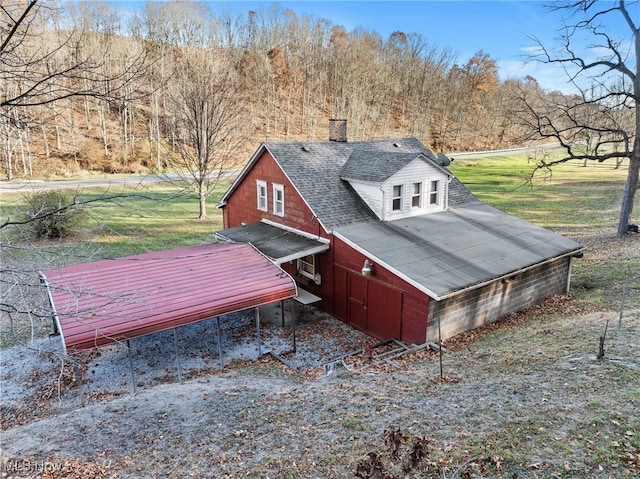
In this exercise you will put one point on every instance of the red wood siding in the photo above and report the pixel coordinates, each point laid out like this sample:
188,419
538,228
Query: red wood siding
382,305
394,308
242,205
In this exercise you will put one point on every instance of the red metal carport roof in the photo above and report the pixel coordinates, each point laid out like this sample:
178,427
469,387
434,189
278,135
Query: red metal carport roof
108,301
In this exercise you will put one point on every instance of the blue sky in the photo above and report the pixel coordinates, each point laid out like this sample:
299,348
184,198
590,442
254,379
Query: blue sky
500,28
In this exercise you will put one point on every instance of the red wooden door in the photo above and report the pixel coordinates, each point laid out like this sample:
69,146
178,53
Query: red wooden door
340,309
357,302
384,311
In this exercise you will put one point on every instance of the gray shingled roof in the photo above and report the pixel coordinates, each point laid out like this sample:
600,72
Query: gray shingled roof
315,170
362,165
444,253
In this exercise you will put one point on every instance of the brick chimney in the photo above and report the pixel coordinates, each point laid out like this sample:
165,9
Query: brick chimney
337,130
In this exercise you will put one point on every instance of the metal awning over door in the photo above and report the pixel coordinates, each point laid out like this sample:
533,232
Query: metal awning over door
277,243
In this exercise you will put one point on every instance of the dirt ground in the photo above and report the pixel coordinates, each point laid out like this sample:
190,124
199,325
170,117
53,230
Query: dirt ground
523,398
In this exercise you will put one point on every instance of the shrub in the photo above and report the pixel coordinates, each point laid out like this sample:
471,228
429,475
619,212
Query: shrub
52,214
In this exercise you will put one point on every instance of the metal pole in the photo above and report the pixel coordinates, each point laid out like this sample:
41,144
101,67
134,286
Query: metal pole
133,374
624,294
440,348
282,312
76,368
293,325
258,332
54,317
220,343
175,342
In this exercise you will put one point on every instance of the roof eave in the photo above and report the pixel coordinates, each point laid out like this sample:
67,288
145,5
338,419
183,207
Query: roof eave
240,178
452,293
449,294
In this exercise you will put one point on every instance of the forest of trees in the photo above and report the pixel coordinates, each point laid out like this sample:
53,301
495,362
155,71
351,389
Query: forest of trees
291,74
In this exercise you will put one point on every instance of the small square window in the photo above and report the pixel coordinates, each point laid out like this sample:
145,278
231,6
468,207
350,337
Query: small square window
278,200
307,266
397,198
262,195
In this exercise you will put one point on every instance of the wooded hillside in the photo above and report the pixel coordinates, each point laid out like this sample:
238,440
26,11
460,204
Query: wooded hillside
291,74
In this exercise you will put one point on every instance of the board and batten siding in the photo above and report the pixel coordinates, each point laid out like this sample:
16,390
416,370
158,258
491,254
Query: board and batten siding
475,308
416,171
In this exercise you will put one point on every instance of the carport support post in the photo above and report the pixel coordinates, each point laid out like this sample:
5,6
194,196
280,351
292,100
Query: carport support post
293,324
133,374
175,342
220,343
76,368
258,332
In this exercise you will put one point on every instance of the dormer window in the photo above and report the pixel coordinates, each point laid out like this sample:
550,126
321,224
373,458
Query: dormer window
434,192
396,199
416,196
397,185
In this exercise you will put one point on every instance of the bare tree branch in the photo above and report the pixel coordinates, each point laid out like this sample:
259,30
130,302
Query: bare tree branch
601,122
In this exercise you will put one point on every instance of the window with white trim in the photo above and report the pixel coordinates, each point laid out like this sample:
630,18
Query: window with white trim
416,196
396,198
278,199
434,192
262,195
307,266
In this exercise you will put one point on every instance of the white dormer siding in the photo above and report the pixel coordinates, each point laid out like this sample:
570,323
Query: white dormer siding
417,189
372,195
423,187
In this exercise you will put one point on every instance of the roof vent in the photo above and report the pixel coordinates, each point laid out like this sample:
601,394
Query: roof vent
337,130
443,159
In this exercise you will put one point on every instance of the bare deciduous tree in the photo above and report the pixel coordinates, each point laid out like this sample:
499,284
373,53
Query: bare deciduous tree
46,72
207,113
602,121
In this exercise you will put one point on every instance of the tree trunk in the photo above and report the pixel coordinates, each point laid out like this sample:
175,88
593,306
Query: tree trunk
203,205
629,191
45,141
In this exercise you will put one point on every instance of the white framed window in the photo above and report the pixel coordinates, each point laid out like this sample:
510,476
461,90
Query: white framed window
262,195
278,199
434,192
416,196
396,198
307,266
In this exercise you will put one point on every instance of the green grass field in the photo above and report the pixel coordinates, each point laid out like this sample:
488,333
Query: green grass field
571,197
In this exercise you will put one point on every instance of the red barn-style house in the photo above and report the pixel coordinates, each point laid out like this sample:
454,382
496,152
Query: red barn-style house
388,239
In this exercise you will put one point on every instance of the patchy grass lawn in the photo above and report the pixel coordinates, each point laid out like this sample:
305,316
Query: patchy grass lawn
522,398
